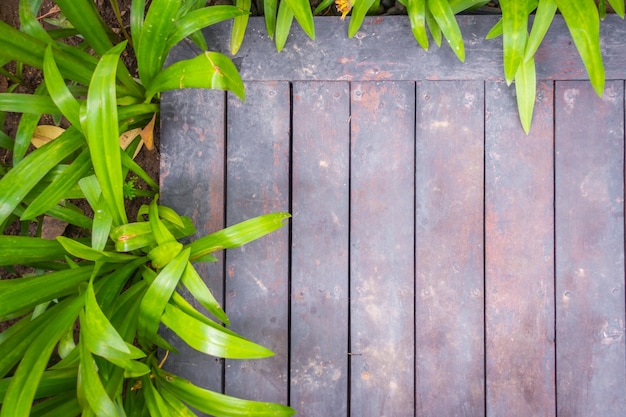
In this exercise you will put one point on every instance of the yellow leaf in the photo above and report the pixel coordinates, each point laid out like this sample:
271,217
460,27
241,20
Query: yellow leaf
127,137
147,134
44,134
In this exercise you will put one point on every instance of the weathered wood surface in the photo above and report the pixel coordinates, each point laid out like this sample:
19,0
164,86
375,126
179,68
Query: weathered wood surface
519,257
439,261
382,249
589,141
320,248
449,248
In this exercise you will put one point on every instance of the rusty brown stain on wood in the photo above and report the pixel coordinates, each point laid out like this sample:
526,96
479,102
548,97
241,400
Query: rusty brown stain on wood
519,260
449,249
590,250
381,235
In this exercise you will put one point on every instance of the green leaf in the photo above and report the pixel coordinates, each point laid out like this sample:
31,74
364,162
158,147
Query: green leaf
583,22
212,340
58,189
301,10
137,11
283,25
515,32
18,294
543,18
157,296
435,31
84,16
358,14
101,127
59,92
618,6
151,48
132,236
495,31
417,17
90,386
52,383
21,391
160,232
164,253
196,286
270,9
240,23
237,235
99,336
28,250
201,18
526,88
79,250
208,70
218,404
27,103
157,406
447,23
18,182
102,219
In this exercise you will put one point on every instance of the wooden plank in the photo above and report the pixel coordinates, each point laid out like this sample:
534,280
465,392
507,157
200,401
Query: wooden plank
591,368
319,312
192,183
384,49
382,249
449,249
257,283
519,257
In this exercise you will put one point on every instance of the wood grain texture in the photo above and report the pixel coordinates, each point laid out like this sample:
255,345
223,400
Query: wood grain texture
449,249
591,369
384,49
257,283
192,180
519,224
382,249
320,248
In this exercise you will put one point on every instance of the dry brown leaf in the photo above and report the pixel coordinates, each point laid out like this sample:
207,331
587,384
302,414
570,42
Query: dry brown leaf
44,134
147,134
127,137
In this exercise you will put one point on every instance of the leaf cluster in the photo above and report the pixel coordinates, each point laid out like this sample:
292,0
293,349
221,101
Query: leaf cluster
84,327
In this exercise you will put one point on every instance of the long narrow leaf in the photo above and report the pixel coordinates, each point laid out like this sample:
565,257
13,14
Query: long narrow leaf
444,17
618,6
240,23
301,10
151,49
218,404
583,22
21,293
417,17
27,103
238,234
59,92
208,70
270,8
525,89
198,289
91,386
199,19
157,296
283,25
358,14
21,392
211,340
101,127
15,185
25,132
58,189
28,250
543,18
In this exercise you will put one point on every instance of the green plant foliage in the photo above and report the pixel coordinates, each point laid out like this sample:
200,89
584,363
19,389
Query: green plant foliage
122,282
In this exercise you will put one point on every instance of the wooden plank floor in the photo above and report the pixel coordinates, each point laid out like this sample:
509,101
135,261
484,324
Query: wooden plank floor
439,261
